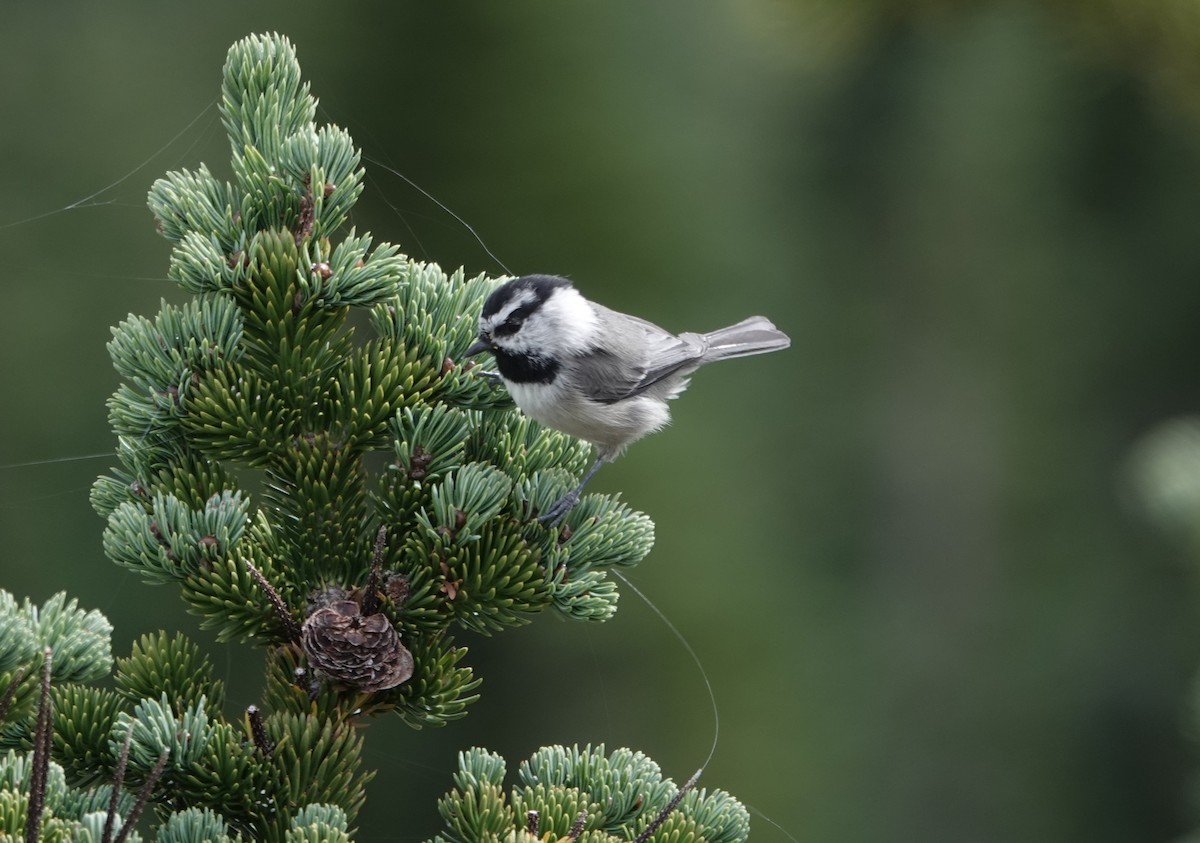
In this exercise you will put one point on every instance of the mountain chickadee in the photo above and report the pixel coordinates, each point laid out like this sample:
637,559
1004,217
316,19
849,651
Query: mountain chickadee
594,373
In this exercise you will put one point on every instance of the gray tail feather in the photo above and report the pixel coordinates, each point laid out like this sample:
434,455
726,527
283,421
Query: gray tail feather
755,335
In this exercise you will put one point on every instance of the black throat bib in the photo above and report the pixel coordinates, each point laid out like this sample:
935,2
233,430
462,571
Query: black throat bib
525,368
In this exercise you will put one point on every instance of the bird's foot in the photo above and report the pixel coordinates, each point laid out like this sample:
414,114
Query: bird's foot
559,509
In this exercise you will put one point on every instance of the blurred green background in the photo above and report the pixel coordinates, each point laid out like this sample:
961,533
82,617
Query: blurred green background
903,550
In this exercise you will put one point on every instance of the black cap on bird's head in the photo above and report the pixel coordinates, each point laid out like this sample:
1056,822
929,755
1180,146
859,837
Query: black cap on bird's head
527,288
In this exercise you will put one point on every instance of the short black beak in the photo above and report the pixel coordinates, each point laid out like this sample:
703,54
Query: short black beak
478,347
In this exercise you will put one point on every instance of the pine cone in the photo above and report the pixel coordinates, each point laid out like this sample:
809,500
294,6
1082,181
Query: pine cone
361,651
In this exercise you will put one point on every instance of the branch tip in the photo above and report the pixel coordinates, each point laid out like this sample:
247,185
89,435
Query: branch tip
258,731
144,795
42,734
290,628
670,808
370,601
577,828
118,781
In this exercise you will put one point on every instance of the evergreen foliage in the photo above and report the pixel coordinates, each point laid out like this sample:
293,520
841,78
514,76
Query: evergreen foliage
81,643
246,414
584,794
245,420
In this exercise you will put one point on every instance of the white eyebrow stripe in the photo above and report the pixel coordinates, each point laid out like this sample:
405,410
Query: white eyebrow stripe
521,299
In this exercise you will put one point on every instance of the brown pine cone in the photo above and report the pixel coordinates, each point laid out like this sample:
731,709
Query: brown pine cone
364,652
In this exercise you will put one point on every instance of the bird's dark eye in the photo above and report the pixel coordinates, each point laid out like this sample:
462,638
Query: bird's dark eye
506,329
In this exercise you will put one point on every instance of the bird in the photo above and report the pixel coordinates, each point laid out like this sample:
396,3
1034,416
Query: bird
593,373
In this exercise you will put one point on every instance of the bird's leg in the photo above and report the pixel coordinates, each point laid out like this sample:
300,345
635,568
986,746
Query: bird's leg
567,502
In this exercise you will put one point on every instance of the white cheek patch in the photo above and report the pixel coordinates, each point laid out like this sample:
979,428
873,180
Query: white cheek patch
570,322
536,337
565,324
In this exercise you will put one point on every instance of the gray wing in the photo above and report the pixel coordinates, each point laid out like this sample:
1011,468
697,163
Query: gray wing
637,355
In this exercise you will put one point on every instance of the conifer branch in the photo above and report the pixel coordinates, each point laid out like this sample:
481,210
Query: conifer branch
370,601
118,782
258,731
577,827
291,629
669,808
263,370
41,755
143,796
